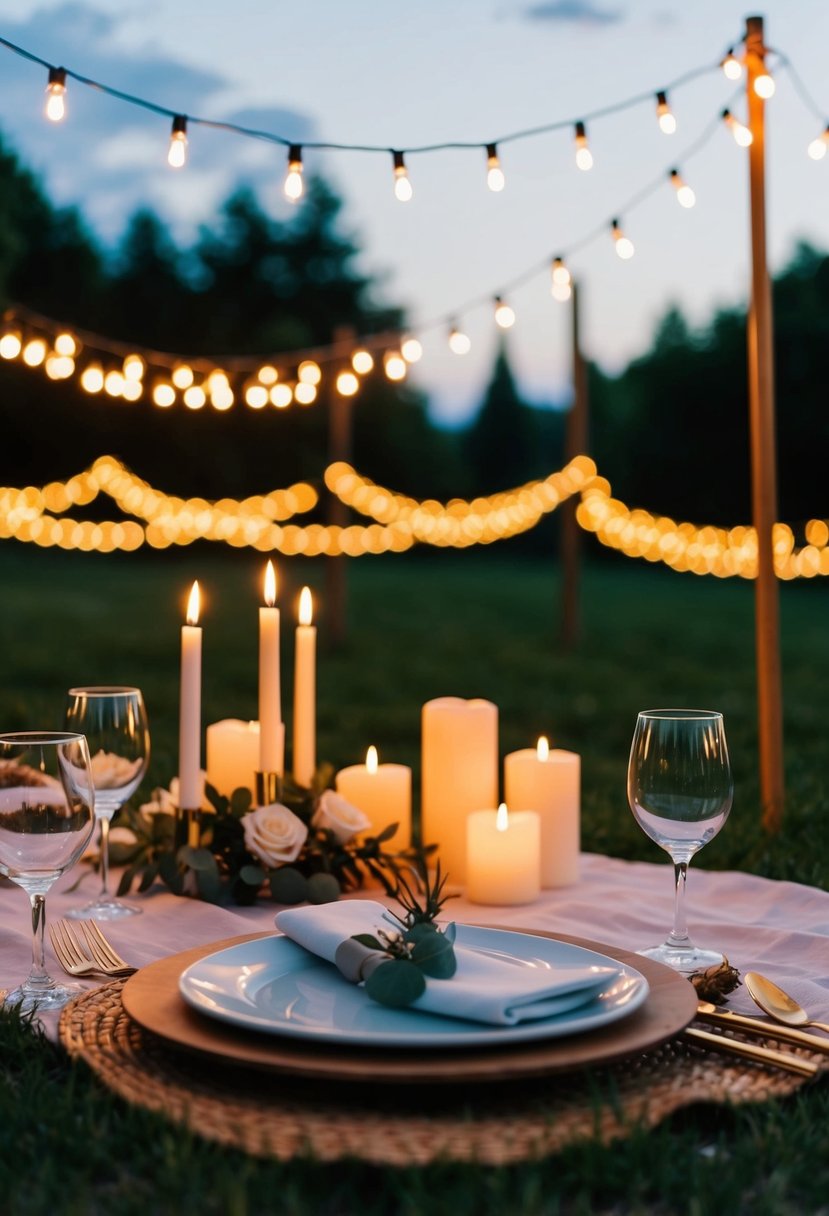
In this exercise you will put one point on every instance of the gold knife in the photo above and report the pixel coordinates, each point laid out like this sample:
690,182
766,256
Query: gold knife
751,1051
707,1012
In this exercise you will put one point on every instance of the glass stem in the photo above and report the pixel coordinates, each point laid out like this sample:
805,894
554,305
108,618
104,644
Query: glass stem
679,933
104,858
38,976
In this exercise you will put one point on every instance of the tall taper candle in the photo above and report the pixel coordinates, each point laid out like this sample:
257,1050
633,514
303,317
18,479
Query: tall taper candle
305,692
271,727
189,736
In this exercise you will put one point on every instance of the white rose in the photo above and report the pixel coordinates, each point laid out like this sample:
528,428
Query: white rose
112,772
274,834
339,816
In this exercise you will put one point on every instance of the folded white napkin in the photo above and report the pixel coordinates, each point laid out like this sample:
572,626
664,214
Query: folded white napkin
485,988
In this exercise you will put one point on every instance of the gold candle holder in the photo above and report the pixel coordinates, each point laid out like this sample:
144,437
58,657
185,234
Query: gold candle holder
268,788
188,829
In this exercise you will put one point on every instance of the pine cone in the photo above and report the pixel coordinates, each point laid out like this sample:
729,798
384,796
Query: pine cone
715,983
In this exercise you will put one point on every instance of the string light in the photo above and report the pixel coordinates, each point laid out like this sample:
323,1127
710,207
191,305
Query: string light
561,280
34,352
741,133
625,248
495,174
281,396
182,376
305,393
164,395
65,344
309,372
459,342
56,95
504,315
347,384
256,396
362,361
817,148
267,375
411,350
664,114
293,181
10,345
394,365
402,186
195,397
584,157
731,65
177,152
684,194
764,85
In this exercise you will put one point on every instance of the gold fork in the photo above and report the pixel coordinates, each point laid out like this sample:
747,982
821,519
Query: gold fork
95,957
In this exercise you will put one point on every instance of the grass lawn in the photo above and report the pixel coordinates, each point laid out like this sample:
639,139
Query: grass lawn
453,624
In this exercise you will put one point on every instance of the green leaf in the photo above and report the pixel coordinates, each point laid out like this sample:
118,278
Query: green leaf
254,876
434,955
209,886
240,801
169,873
197,859
366,939
323,889
396,983
216,800
149,876
288,886
387,833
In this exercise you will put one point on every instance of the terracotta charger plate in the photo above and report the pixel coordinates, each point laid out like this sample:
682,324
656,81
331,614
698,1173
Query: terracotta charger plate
151,998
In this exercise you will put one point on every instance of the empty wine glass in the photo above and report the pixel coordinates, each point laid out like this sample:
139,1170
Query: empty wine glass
114,720
680,790
46,820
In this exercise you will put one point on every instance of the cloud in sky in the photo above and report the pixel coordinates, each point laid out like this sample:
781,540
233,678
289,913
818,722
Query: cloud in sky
109,156
574,12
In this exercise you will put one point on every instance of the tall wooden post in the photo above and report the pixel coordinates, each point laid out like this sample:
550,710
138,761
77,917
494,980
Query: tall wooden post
763,453
575,444
340,426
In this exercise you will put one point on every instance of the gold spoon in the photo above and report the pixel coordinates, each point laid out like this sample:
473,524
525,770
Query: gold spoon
777,1003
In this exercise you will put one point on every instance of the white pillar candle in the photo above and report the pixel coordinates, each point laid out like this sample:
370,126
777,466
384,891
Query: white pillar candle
383,792
548,781
305,693
271,727
232,755
503,859
189,730
459,774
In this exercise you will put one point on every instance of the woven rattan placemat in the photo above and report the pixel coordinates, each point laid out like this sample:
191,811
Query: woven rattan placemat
271,1116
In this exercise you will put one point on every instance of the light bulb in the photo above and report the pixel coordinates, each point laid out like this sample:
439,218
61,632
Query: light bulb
177,153
305,393
817,148
584,157
308,372
182,376
281,396
114,383
624,246
411,350
402,186
504,315
684,194
131,390
133,367
56,95
394,365
362,361
92,378
10,345
764,85
268,374
561,286
731,65
293,181
741,133
34,352
347,384
164,395
65,344
221,396
256,396
495,174
459,342
664,114
194,397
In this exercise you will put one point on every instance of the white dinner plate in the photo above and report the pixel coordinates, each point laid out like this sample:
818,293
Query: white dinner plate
273,985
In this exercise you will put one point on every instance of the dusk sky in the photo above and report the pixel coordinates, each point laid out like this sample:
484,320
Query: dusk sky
387,73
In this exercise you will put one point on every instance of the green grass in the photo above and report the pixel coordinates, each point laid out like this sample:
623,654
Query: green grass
451,624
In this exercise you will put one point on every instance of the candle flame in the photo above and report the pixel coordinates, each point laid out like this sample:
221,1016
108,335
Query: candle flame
371,759
542,749
270,585
306,606
193,605
502,818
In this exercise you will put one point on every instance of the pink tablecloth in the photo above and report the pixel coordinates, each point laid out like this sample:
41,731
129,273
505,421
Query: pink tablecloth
778,928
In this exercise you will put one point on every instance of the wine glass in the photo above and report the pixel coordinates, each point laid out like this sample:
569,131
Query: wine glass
114,721
47,818
680,790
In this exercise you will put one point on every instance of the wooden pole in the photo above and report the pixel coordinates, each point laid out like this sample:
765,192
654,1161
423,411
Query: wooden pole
340,434
763,453
575,444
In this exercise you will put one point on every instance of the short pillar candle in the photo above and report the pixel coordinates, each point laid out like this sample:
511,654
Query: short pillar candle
232,755
548,781
383,792
503,857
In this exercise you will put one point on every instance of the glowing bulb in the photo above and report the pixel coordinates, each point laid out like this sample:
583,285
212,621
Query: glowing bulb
34,352
542,748
59,367
10,346
731,65
56,95
132,390
193,605
256,396
402,186
221,396
293,181
308,372
65,344
459,342
561,286
764,85
270,584
114,383
584,157
164,395
268,375
306,607
371,760
177,152
504,315
502,818
494,173
362,361
194,397
684,194
817,151
741,133
133,367
347,384
664,114
394,365
182,376
411,350
305,393
624,246
281,396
